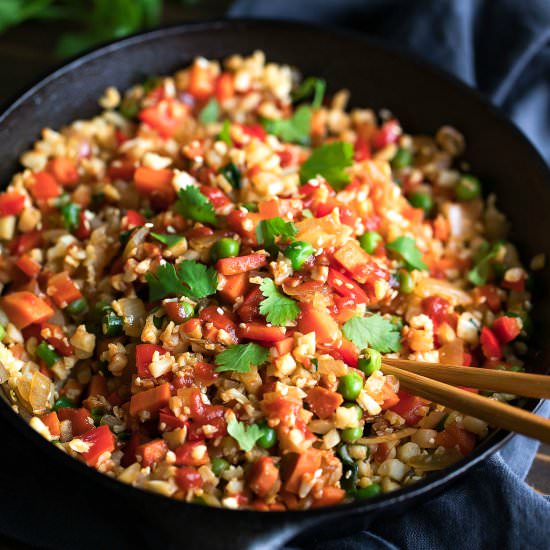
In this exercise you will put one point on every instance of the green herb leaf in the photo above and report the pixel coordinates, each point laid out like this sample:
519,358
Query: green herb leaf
406,249
168,240
231,173
267,230
311,86
225,134
193,205
189,278
329,161
482,270
373,332
245,436
277,308
239,357
71,215
295,129
210,112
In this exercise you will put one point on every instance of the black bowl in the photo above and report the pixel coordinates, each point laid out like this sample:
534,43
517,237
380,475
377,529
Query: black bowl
105,511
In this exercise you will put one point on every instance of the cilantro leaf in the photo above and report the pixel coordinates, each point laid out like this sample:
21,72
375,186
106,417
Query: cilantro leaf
482,269
311,86
225,134
406,249
267,230
168,240
193,205
373,332
277,308
245,436
295,129
189,278
239,357
210,112
329,161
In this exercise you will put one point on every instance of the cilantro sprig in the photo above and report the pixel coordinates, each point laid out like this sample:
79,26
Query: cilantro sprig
405,247
373,332
330,161
267,230
225,134
245,436
277,308
189,278
239,357
311,86
295,129
193,205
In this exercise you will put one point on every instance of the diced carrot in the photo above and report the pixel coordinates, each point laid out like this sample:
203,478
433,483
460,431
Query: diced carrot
294,466
314,320
150,400
64,170
323,402
44,186
261,332
234,286
102,441
331,496
24,308
165,117
149,181
62,289
407,407
192,453
28,265
390,397
98,386
51,421
263,476
81,420
241,264
284,346
201,81
454,436
358,262
225,87
11,203
152,452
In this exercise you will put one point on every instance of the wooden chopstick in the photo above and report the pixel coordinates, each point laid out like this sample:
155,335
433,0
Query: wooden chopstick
517,383
494,412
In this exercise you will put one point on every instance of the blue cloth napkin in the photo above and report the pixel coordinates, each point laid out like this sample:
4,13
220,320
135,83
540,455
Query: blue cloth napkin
503,49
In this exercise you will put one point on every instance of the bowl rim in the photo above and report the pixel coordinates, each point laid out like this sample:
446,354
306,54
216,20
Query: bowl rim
434,481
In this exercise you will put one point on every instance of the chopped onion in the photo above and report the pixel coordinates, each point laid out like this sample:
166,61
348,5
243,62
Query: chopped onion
40,392
134,315
438,287
436,461
138,236
386,438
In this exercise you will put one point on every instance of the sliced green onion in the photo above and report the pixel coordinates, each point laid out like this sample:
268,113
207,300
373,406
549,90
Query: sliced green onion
47,353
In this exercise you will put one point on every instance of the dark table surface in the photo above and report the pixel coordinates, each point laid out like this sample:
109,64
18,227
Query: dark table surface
26,54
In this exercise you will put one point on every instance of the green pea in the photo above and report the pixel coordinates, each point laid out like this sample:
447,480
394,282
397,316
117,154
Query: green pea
111,324
357,408
369,241
370,361
421,199
187,309
77,307
64,402
219,465
47,353
298,252
350,386
406,282
349,435
224,248
372,490
467,188
268,439
402,158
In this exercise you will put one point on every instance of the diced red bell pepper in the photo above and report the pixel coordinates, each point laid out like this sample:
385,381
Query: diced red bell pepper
25,242
54,335
188,478
64,170
263,476
362,149
51,421
130,449
225,87
28,265
11,203
313,320
201,81
192,453
168,421
344,286
355,260
150,400
81,421
243,223
254,131
490,345
234,286
241,264
436,308
144,356
121,170
45,186
382,452
261,332
249,310
216,196
408,406
152,452
102,441
277,407
390,397
294,466
62,289
284,346
25,308
323,402
506,329
165,117
454,436
134,219
155,182
387,134
330,497
223,321
349,353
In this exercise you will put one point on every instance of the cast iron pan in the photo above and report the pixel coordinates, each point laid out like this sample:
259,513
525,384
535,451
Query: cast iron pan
59,503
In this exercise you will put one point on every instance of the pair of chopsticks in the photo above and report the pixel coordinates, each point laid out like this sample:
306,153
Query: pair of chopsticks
435,382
